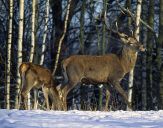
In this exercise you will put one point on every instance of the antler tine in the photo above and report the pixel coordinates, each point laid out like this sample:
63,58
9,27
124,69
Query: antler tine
109,28
122,35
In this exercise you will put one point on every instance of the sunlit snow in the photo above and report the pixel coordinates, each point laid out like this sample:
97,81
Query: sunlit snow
80,119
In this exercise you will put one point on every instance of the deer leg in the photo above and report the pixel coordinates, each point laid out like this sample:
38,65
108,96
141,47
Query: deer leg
24,99
65,91
118,87
64,103
24,94
45,92
35,98
107,96
53,107
54,99
56,104
107,99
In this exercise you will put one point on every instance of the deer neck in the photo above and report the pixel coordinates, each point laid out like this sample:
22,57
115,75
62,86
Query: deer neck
128,58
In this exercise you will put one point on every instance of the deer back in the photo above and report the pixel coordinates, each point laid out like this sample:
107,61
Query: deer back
37,74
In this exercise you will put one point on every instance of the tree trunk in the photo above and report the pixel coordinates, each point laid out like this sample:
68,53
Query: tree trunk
128,4
9,54
159,50
150,41
98,89
36,54
45,33
33,31
62,37
81,39
103,50
58,27
104,28
131,74
19,54
82,14
42,49
144,61
32,44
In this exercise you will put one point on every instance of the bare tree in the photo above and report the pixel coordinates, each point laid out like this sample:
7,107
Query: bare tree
62,37
33,31
42,49
45,33
19,53
32,45
131,75
9,54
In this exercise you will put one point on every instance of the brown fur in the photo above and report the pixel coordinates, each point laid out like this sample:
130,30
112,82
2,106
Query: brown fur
35,76
109,68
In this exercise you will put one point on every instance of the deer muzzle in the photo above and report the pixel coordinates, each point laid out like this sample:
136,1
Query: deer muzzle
142,48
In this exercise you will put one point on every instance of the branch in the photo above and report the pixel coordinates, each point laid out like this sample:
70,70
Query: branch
130,14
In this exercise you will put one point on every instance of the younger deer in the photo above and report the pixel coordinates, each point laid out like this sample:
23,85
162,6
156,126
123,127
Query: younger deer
35,76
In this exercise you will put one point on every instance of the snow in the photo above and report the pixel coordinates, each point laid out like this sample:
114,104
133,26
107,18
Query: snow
80,119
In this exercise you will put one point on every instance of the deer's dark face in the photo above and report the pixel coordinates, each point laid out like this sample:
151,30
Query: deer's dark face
131,42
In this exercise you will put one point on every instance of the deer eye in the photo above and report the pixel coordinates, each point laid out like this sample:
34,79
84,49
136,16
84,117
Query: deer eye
126,37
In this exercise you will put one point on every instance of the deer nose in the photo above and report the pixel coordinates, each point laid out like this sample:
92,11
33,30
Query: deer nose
142,48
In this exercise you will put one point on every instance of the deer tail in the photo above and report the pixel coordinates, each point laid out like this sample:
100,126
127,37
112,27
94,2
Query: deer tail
24,67
64,72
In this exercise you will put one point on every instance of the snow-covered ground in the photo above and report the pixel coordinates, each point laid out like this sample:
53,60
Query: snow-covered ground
80,119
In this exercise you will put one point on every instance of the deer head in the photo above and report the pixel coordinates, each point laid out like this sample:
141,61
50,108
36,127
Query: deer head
131,42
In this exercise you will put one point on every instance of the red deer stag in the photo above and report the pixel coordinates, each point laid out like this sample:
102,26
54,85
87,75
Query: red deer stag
109,69
36,76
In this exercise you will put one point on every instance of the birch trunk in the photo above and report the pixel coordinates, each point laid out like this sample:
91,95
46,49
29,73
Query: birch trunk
19,54
62,37
32,44
9,54
43,49
45,33
128,4
131,74
32,32
36,54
